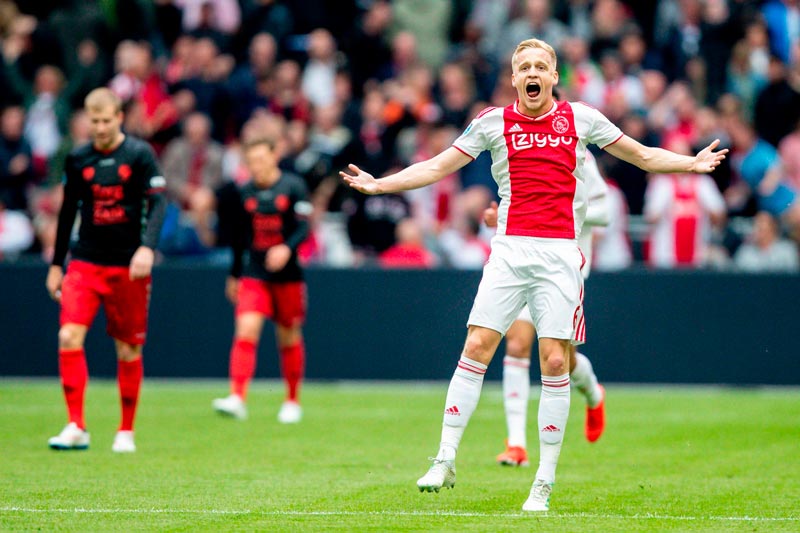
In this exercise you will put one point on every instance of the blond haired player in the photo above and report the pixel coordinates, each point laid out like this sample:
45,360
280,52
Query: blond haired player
538,147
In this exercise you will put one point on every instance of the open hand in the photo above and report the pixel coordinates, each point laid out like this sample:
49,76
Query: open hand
362,181
707,159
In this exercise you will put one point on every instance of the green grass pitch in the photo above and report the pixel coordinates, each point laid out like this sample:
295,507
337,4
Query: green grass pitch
672,459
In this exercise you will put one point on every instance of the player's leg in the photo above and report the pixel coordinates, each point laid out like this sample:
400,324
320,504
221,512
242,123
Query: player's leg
79,304
130,372
253,306
557,308
516,388
462,399
289,302
585,381
242,367
126,304
292,363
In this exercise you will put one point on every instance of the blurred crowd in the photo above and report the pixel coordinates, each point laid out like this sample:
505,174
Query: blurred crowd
383,84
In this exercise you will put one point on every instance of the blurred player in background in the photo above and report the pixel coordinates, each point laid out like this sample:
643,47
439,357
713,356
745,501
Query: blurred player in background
521,334
538,147
266,280
115,183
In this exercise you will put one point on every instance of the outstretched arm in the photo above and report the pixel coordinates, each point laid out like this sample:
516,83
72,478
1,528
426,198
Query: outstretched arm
658,160
414,177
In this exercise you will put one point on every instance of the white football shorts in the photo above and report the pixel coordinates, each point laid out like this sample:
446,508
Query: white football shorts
545,275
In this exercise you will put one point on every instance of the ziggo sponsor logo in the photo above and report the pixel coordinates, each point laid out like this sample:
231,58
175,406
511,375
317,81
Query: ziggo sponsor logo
523,141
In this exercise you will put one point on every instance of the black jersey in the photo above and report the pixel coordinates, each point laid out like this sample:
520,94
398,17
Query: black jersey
268,217
121,201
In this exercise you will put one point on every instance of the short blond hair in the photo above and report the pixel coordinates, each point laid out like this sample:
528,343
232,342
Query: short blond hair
534,43
101,98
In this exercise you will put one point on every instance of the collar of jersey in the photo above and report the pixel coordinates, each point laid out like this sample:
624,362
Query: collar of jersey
540,117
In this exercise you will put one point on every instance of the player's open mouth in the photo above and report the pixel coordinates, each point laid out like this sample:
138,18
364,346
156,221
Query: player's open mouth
533,90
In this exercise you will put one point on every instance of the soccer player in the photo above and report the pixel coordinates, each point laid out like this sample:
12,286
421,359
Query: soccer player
115,183
267,280
538,147
521,334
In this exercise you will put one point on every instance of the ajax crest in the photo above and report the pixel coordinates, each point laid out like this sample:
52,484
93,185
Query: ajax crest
560,124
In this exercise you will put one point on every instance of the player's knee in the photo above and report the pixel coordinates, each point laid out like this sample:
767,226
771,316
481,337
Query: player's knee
128,352
69,338
477,349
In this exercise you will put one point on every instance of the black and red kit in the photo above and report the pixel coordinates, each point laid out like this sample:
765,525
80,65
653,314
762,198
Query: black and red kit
269,216
120,195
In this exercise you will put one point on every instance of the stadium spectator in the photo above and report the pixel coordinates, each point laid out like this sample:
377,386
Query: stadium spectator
535,20
16,159
111,261
287,99
778,105
16,232
765,250
320,70
758,165
243,85
680,209
151,113
192,165
429,23
208,70
409,250
789,152
464,245
216,19
368,54
528,221
782,18
268,283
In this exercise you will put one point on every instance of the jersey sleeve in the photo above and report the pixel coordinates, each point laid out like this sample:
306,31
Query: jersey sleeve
473,140
155,186
602,131
68,211
302,211
154,180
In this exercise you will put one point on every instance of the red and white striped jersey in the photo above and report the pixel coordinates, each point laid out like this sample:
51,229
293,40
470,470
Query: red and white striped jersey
538,164
678,206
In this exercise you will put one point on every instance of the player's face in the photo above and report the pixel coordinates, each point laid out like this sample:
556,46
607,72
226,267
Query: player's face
105,125
534,76
262,164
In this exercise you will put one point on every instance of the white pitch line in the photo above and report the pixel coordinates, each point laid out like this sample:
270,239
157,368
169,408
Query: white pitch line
467,514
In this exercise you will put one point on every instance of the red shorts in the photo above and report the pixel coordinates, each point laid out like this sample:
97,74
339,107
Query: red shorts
87,285
285,303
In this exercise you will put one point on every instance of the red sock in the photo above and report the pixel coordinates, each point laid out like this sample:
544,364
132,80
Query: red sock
243,365
74,376
293,361
129,375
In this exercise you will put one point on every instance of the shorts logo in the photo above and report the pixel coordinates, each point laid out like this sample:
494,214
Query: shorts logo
560,124
88,173
124,172
523,141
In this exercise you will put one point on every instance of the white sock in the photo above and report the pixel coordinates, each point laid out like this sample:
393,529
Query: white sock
462,399
585,380
516,392
553,414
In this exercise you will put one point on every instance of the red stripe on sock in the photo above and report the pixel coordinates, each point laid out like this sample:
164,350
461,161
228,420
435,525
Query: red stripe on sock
473,369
